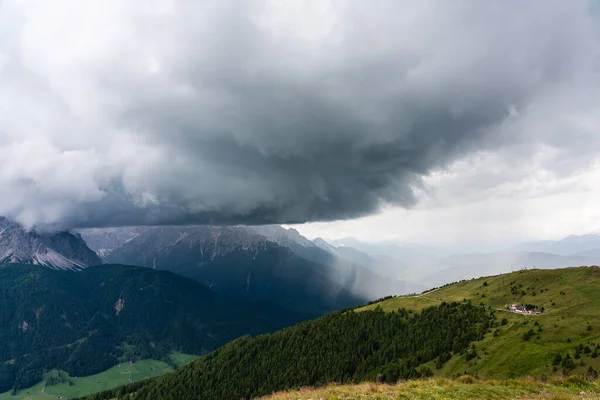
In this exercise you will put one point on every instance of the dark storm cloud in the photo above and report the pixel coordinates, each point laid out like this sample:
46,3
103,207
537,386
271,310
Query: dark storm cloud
257,112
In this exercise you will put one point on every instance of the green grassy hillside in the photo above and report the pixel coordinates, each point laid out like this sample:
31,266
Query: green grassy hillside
525,345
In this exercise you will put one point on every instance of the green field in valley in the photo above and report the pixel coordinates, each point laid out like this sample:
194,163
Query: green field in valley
74,387
525,345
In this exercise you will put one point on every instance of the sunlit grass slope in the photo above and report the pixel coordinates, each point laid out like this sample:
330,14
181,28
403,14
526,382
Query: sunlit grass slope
444,389
525,345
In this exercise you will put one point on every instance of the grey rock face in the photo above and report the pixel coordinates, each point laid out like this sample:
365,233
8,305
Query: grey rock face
61,250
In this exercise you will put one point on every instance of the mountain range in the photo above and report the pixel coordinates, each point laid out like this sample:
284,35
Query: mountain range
270,264
572,245
267,263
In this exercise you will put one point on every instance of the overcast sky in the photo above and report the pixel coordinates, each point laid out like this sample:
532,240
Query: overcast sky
427,121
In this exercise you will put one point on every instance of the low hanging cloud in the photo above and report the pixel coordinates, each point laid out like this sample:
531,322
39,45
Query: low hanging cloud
225,112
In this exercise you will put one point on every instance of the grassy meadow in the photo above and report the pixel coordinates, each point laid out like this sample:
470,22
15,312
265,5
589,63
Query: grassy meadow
118,375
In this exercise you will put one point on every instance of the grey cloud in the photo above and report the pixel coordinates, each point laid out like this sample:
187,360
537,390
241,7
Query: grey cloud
243,112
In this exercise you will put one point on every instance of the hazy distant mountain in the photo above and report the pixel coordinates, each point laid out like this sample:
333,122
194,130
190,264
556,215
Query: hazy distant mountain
61,250
589,253
105,240
390,249
467,266
351,267
402,261
571,245
323,244
552,261
379,264
352,254
432,267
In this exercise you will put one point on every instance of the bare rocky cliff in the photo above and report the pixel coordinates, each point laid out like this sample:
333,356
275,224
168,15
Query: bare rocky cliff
62,250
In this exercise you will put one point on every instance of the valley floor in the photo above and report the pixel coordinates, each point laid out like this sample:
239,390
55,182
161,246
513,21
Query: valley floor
116,376
444,389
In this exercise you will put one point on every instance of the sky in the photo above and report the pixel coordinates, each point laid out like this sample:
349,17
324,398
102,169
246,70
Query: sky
421,121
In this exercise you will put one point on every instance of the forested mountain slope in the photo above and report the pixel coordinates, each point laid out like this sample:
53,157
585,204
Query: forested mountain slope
85,322
343,346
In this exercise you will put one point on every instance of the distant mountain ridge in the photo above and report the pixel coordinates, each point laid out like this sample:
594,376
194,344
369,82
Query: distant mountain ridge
357,269
61,250
105,240
284,237
250,263
234,261
433,267
570,245
468,266
322,243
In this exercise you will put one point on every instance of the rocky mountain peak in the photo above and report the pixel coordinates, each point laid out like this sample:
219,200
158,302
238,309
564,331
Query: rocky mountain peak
282,236
206,242
62,250
322,243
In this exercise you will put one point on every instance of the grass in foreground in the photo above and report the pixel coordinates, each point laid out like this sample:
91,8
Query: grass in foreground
111,378
444,389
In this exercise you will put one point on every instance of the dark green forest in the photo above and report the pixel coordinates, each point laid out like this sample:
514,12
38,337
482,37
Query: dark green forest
85,322
343,347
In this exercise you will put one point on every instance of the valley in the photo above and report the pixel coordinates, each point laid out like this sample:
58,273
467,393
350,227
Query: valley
66,386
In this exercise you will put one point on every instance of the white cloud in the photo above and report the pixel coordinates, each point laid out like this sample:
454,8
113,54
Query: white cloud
538,205
175,112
